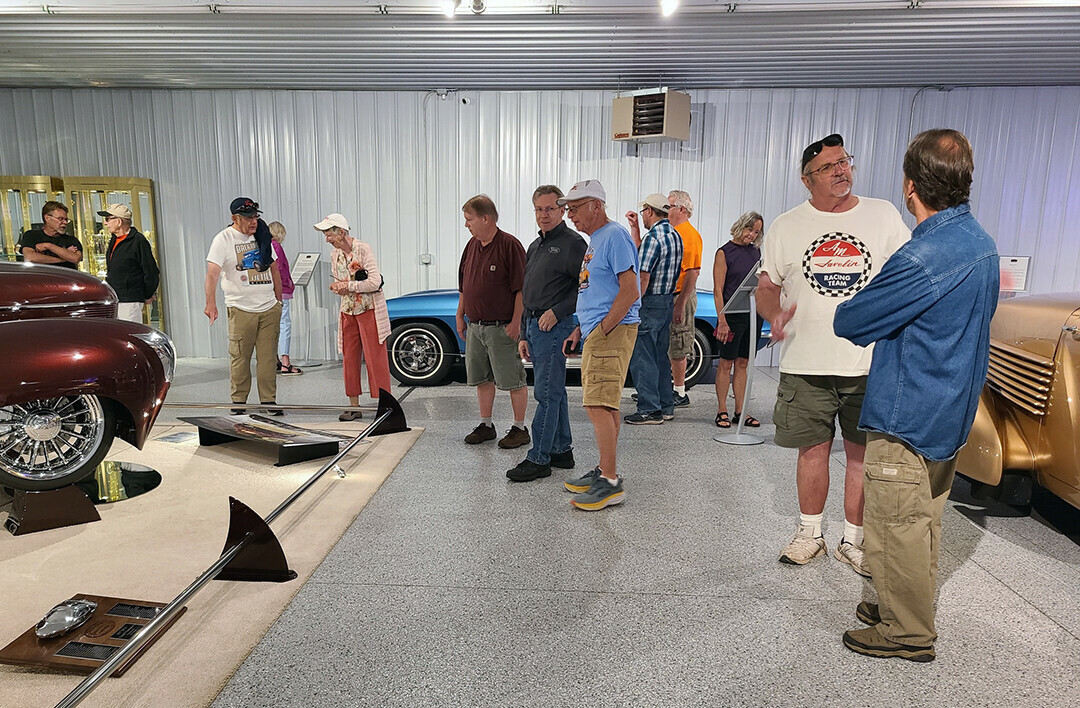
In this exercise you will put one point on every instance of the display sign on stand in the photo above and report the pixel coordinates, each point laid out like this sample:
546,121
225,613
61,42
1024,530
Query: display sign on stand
301,274
740,302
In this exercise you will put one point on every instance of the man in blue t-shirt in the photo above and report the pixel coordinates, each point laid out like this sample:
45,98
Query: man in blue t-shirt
607,310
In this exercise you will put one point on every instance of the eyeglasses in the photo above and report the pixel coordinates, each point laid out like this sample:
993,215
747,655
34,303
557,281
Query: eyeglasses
61,219
843,163
673,206
110,218
547,210
574,209
814,149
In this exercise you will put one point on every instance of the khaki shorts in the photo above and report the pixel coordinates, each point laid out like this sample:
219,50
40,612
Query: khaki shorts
604,363
807,408
491,356
682,335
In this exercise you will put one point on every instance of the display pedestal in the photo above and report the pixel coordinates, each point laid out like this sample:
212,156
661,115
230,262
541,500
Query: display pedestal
53,509
85,648
293,444
741,301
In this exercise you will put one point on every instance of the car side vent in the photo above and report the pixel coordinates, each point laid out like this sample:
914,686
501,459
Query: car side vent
1020,377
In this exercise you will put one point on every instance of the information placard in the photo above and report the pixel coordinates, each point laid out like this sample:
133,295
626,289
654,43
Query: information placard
303,267
1014,273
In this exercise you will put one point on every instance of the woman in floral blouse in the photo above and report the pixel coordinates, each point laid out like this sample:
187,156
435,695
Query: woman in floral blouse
364,322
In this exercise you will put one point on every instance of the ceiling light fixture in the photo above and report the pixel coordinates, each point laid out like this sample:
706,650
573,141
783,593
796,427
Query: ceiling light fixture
449,7
668,7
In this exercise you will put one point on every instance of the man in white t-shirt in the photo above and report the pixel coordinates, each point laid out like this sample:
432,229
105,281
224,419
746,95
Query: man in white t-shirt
815,257
252,301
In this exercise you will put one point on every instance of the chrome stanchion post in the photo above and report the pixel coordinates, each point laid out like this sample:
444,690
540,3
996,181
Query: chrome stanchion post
747,287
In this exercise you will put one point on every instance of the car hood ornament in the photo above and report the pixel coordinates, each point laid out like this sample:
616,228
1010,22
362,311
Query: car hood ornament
64,617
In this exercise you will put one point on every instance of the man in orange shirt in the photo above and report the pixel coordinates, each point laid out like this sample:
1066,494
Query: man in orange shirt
680,209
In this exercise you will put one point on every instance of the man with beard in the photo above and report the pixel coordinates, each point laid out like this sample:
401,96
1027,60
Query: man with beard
51,244
815,257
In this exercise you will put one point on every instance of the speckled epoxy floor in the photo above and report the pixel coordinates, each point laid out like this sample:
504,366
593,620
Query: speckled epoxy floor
455,587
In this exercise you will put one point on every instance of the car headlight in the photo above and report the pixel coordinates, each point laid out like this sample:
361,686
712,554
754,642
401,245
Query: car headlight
161,344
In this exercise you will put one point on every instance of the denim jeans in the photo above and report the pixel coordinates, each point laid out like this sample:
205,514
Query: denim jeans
285,334
650,365
551,421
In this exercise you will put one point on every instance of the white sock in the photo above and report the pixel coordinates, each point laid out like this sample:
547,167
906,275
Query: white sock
519,424
487,421
853,534
609,480
681,390
811,524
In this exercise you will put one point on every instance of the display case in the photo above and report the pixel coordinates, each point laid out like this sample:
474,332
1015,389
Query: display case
24,196
20,210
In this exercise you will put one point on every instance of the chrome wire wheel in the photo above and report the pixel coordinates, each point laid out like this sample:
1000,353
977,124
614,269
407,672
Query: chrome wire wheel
52,442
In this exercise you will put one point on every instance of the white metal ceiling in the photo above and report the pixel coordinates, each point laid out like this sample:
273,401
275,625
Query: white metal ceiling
346,44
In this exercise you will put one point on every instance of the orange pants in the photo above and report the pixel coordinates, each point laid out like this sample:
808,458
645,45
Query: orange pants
360,340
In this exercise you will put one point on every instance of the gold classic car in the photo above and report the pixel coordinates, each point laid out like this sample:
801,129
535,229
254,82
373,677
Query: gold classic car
1027,428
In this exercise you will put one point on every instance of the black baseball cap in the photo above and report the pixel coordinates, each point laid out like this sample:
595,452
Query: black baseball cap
814,149
244,206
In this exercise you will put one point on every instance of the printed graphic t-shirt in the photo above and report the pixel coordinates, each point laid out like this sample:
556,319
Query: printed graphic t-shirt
611,252
821,259
246,289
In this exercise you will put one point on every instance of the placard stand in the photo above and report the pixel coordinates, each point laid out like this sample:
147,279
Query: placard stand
302,270
743,301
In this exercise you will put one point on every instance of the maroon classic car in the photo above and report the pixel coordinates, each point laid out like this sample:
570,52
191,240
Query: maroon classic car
75,376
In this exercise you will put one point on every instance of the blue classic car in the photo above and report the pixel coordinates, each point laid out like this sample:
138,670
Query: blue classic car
424,344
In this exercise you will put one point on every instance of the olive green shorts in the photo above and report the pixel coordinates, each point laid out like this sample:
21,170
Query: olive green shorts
682,335
807,408
491,356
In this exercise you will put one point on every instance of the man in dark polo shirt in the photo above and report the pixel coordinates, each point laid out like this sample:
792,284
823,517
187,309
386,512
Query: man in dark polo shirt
552,267
490,279
51,244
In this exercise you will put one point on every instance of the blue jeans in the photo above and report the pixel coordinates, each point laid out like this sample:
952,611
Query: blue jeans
551,421
285,333
650,365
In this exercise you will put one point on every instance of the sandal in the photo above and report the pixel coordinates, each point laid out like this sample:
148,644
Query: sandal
290,370
722,420
751,421
350,415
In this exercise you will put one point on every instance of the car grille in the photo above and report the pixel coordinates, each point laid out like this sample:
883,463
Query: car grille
1020,377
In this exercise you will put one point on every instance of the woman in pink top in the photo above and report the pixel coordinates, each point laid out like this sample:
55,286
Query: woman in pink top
285,367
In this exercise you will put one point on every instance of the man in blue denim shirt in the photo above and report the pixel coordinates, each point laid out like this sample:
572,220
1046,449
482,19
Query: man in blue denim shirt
929,313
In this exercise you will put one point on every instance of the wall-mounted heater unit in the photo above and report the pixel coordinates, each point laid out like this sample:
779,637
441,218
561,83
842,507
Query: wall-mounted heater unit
651,116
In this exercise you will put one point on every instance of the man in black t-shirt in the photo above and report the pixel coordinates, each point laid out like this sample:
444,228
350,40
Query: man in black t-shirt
52,245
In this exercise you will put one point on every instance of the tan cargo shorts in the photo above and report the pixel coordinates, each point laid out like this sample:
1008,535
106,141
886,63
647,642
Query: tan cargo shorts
604,363
682,335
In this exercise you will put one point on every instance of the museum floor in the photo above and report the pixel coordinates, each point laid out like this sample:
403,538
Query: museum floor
455,587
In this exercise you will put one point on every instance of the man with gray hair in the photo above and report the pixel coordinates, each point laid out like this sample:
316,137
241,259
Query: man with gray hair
680,209
132,271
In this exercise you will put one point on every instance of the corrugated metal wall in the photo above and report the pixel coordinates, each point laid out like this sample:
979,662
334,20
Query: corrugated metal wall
400,164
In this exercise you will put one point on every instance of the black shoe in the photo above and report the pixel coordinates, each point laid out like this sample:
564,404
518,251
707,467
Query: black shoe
653,418
238,411
681,401
867,613
482,433
273,412
633,397
527,471
563,460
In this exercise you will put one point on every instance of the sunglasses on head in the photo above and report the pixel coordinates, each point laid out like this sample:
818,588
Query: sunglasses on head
814,149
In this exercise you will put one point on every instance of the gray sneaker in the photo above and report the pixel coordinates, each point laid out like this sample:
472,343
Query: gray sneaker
803,548
582,483
682,401
602,493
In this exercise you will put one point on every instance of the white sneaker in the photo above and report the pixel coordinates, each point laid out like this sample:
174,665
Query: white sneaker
803,549
854,556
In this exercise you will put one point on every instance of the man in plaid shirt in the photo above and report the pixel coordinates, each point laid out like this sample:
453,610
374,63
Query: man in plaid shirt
661,256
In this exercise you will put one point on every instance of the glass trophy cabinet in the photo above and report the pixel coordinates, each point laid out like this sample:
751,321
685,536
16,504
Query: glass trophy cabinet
20,210
24,196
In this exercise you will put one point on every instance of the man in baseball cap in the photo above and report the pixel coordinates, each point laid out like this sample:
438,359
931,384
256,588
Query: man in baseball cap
132,271
252,286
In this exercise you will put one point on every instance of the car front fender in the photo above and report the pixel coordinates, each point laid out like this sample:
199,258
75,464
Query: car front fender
995,444
48,358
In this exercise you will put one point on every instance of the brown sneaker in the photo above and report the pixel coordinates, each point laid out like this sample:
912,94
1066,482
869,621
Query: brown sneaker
867,613
870,642
515,438
482,433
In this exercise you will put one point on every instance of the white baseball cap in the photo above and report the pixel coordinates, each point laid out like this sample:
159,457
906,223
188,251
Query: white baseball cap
116,210
589,189
331,221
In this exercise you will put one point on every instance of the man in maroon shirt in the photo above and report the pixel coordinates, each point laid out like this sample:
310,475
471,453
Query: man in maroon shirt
490,278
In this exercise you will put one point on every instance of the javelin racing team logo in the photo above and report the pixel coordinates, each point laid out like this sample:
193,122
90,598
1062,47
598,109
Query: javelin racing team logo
837,264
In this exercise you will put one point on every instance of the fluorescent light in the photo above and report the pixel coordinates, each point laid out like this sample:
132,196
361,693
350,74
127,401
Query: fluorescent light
449,7
668,7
